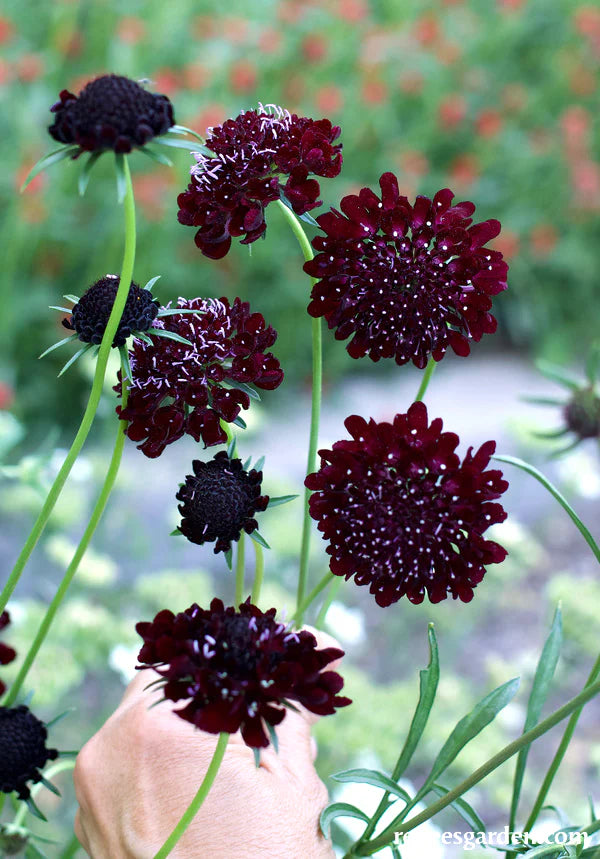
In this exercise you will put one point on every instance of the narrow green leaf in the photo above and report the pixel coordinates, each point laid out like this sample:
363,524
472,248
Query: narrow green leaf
62,309
72,298
281,499
125,365
256,757
466,811
156,156
240,422
151,282
470,725
591,807
231,447
49,786
141,335
529,469
246,464
74,358
34,852
181,129
121,180
551,434
242,386
84,176
556,454
258,538
176,533
47,161
170,335
56,345
558,374
374,778
189,145
179,311
229,558
258,465
542,682
592,365
33,809
543,401
308,219
273,737
340,809
60,717
428,683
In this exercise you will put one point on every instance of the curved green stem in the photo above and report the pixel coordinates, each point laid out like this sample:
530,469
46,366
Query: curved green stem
240,563
109,482
259,572
327,579
94,398
320,619
317,384
529,469
197,801
560,753
431,364
387,836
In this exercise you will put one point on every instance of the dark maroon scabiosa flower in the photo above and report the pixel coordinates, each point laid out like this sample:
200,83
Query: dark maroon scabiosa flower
7,654
243,169
402,513
582,413
405,281
219,501
111,112
178,388
23,751
90,315
238,669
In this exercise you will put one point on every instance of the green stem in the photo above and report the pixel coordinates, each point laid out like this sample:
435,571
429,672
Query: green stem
320,619
97,512
94,398
197,801
71,849
387,836
560,753
529,469
259,572
317,384
239,570
431,364
327,579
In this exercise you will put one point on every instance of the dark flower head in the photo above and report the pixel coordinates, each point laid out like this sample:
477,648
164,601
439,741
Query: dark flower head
238,669
7,654
90,314
582,413
111,112
244,169
219,501
402,513
23,751
405,281
178,389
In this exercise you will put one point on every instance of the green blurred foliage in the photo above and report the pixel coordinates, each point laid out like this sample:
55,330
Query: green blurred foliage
493,98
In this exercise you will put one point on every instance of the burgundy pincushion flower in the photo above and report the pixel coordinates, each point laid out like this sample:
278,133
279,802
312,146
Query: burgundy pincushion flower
238,669
90,315
402,513
219,501
7,654
111,112
23,751
582,413
243,170
178,389
405,281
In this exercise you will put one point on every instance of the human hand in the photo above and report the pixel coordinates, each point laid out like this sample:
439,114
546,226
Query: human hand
137,775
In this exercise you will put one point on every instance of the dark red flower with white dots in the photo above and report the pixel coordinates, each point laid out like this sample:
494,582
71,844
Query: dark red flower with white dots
178,388
242,169
238,669
402,513
111,112
7,654
405,281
